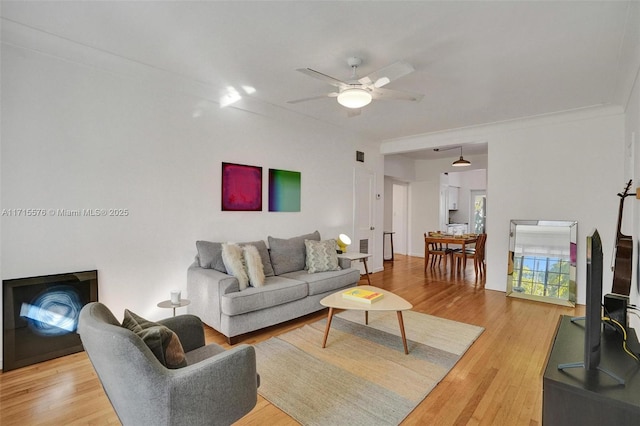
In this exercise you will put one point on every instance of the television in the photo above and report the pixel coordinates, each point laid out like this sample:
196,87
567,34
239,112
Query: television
593,319
593,312
40,316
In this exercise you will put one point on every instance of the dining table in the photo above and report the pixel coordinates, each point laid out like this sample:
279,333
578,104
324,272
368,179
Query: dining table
444,239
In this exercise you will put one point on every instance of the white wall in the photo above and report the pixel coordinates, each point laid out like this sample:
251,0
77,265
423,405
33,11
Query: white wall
632,171
560,171
76,137
564,167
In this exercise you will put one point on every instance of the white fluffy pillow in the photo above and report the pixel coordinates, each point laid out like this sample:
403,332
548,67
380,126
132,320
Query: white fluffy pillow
233,262
253,262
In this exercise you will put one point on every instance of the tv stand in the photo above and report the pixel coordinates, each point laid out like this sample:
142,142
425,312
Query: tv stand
587,397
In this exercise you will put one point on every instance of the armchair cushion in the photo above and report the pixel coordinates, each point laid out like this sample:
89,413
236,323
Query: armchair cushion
163,342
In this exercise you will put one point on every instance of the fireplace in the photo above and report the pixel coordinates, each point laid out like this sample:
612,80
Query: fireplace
40,316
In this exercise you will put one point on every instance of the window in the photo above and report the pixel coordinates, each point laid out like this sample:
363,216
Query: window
478,211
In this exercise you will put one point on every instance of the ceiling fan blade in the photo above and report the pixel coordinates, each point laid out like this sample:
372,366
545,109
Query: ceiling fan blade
388,74
320,76
313,98
387,94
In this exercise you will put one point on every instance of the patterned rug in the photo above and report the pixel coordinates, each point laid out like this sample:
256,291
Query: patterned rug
363,376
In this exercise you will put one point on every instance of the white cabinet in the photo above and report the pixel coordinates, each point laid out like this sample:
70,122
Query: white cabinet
453,198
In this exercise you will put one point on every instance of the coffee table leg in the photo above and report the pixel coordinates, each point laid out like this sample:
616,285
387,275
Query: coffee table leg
366,317
404,337
326,330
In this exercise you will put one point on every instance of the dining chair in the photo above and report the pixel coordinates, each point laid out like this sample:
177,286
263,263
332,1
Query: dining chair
435,253
476,253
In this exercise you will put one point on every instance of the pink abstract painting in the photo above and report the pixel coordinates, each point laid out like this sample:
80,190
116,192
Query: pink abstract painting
241,187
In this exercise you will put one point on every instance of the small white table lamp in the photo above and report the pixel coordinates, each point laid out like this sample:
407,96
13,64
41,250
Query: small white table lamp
343,241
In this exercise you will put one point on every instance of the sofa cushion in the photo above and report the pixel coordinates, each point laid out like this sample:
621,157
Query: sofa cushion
276,291
234,263
322,282
210,255
289,254
163,342
321,256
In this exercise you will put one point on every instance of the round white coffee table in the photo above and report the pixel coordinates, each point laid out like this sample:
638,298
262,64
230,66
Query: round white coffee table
168,304
389,302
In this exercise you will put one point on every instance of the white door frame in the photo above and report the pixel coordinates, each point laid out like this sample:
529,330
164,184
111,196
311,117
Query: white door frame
364,185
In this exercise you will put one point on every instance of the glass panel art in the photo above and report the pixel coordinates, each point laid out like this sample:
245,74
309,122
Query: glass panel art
284,191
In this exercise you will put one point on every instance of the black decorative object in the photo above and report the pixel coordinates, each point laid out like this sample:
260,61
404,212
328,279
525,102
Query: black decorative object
40,316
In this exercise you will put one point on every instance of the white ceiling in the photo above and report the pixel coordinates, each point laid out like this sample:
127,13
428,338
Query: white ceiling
476,62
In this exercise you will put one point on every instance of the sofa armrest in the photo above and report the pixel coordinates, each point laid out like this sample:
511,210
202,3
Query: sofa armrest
223,387
205,288
225,283
189,330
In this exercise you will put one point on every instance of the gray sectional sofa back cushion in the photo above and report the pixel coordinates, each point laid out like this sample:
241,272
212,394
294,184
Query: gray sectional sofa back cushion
210,256
288,255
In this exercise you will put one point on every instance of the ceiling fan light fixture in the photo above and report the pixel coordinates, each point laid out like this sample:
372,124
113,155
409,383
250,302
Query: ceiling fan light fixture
354,97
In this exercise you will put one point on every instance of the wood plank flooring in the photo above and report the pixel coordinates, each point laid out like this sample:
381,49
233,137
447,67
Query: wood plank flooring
497,382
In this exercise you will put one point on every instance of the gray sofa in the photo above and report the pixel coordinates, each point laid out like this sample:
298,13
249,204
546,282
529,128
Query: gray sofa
289,290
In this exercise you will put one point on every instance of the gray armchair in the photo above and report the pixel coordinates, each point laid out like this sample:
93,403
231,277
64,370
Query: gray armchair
217,387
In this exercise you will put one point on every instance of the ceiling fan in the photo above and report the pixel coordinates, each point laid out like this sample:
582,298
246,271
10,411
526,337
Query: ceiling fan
359,92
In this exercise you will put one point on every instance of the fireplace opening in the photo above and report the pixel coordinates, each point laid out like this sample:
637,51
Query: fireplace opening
40,316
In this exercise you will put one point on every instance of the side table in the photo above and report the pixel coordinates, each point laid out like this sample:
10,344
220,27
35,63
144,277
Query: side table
168,304
358,256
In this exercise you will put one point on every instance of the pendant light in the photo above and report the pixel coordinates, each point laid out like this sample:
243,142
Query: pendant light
461,162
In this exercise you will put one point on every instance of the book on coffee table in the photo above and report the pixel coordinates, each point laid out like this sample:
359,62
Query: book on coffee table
364,296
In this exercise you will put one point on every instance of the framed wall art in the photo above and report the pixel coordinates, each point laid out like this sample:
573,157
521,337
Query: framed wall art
241,187
284,191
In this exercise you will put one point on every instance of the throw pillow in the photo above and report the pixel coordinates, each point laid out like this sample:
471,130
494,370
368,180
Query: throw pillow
254,266
210,255
163,342
321,256
288,255
264,255
233,262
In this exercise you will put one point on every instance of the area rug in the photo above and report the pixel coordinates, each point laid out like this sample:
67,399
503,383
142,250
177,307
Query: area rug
363,376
